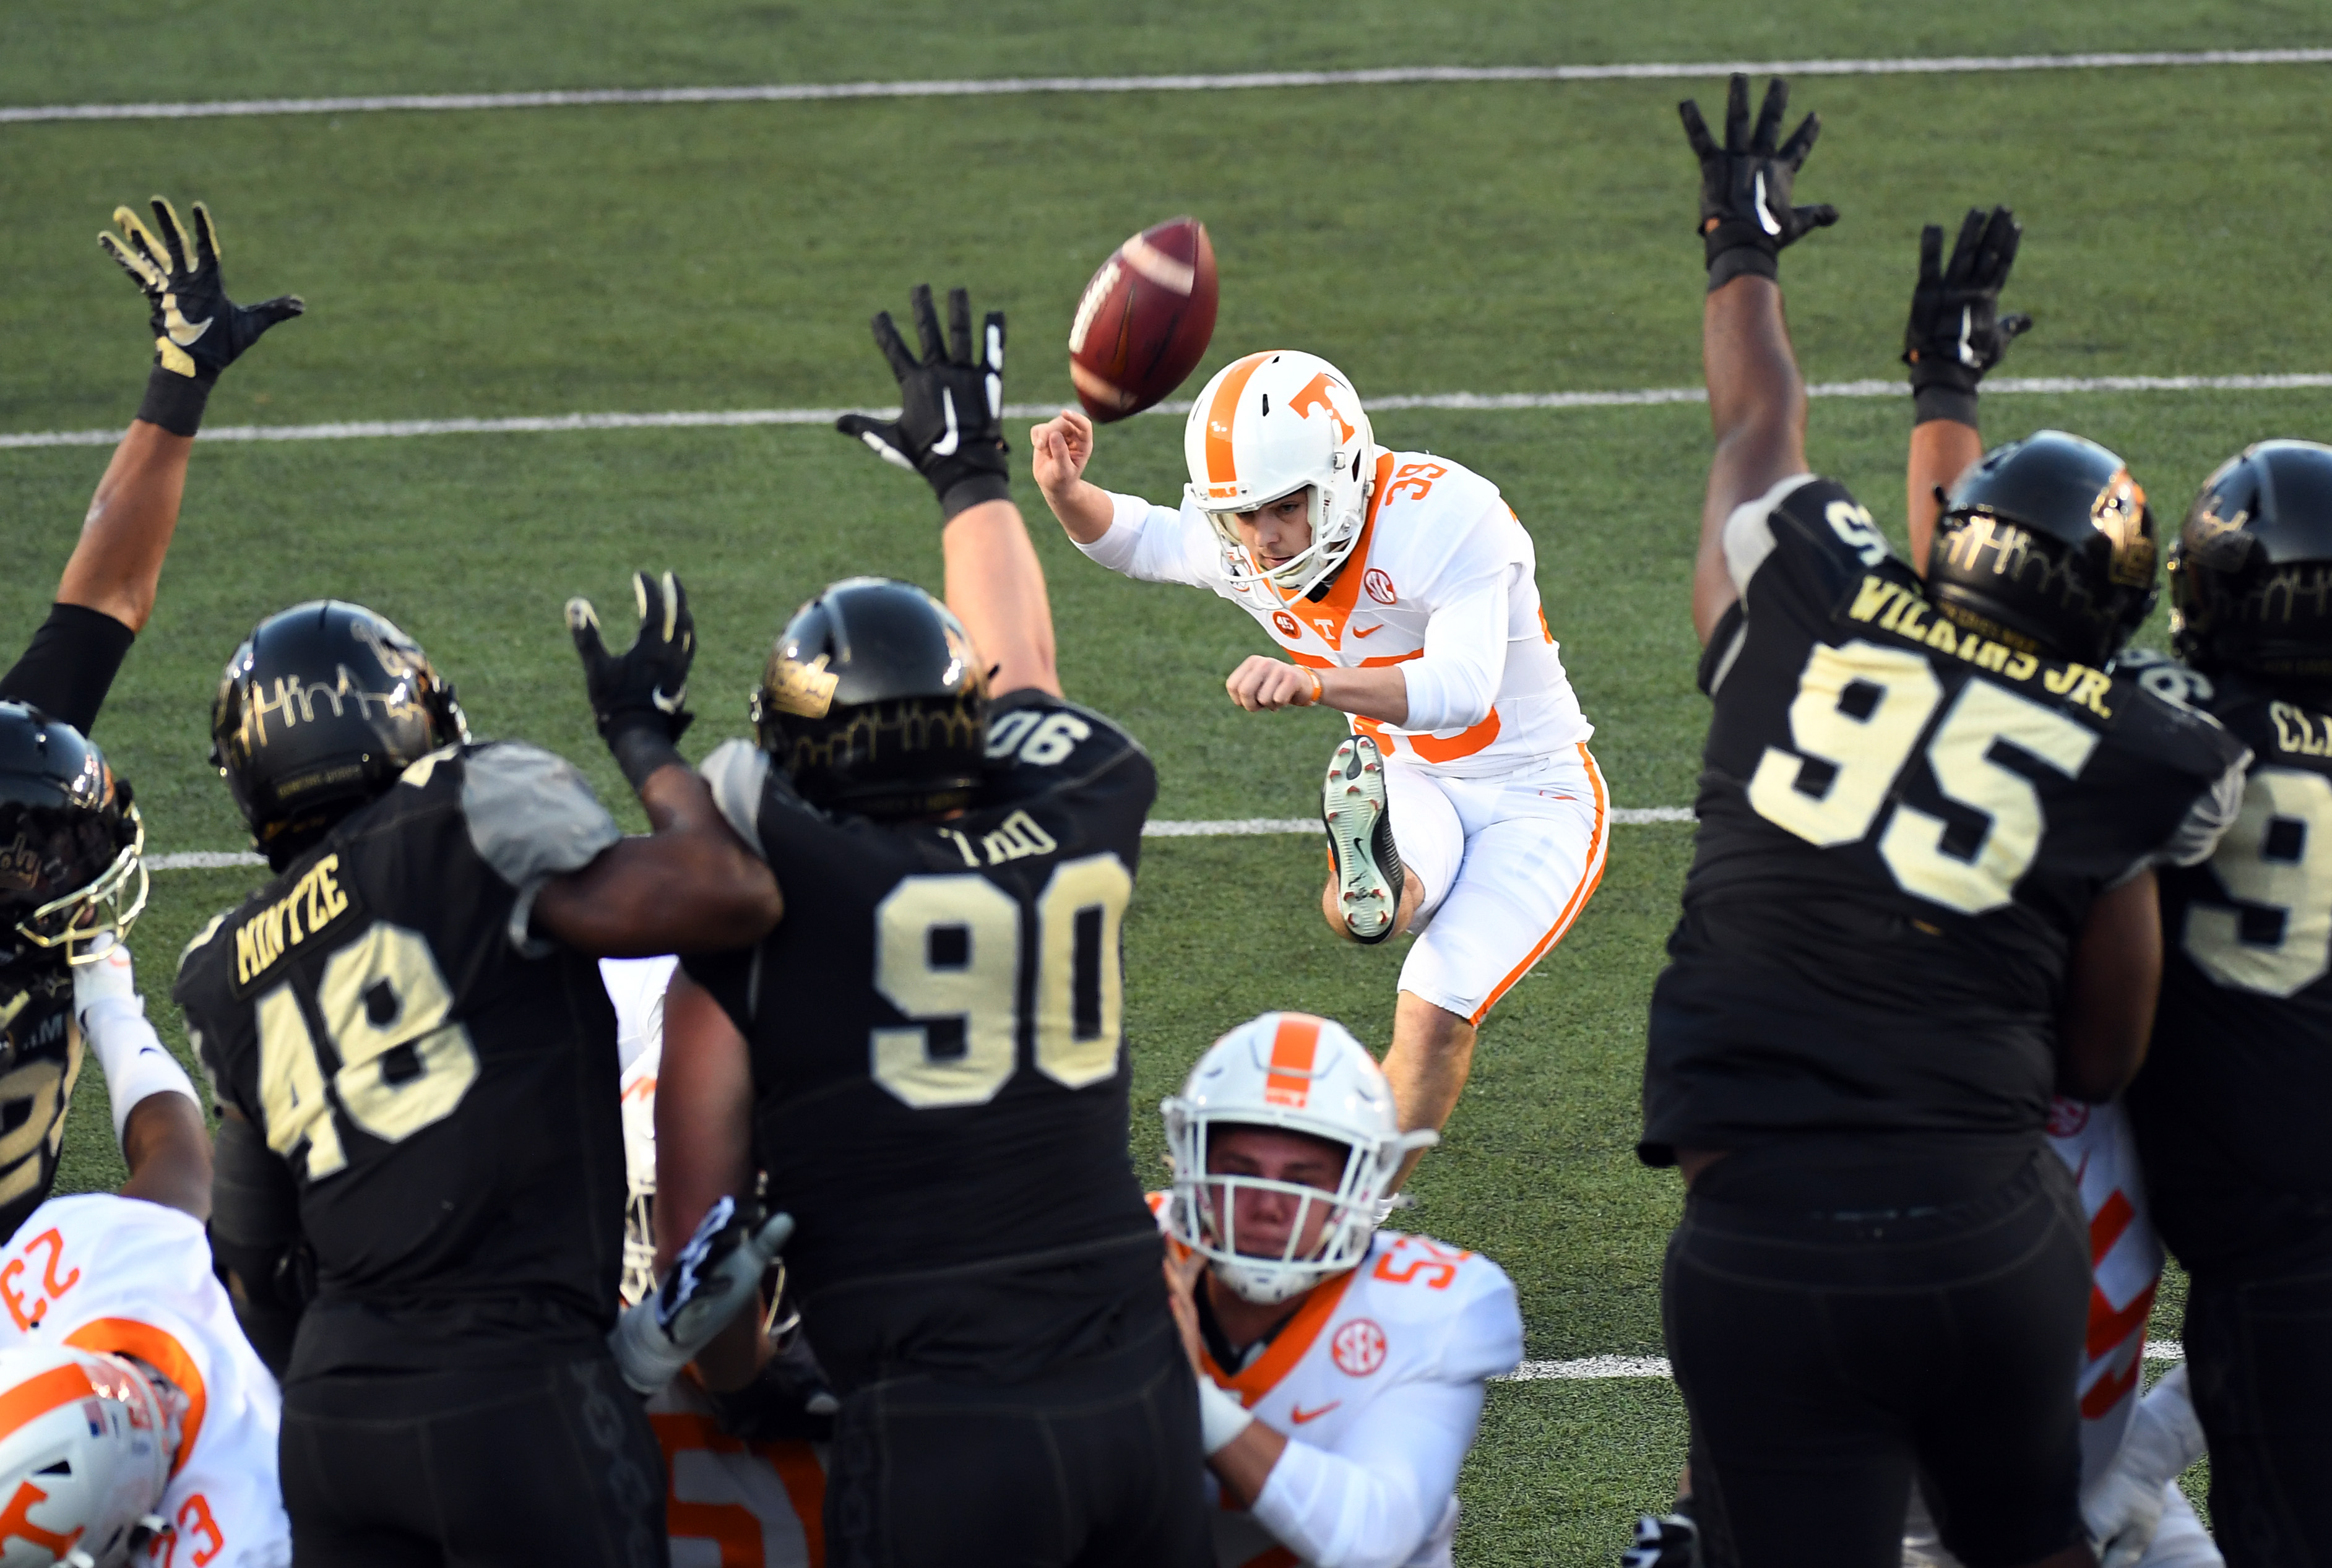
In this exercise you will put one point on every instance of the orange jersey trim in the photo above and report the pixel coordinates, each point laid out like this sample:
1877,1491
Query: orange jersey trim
1579,895
1293,1047
127,1336
1314,662
1222,462
1464,744
1336,608
1279,1358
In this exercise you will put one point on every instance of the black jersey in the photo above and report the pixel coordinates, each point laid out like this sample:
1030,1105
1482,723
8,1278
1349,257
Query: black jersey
442,1084
65,672
1903,824
2234,1102
939,1078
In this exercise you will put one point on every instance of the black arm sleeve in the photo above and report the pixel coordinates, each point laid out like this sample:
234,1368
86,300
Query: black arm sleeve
257,1249
70,664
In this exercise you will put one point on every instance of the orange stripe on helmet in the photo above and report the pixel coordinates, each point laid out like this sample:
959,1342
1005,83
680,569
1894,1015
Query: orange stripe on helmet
34,1398
1222,466
1293,1048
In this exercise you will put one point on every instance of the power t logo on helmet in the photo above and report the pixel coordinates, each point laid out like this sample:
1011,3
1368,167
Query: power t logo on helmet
1463,810
1269,426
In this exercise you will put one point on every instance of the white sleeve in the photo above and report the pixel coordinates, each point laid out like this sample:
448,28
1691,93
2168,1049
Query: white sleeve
1454,685
1154,543
1372,1502
532,817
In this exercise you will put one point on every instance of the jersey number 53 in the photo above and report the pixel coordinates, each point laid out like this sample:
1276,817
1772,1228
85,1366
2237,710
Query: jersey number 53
950,948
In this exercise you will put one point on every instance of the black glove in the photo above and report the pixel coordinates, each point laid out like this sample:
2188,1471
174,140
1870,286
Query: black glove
1956,332
1671,1541
788,1398
1745,216
637,696
950,424
198,331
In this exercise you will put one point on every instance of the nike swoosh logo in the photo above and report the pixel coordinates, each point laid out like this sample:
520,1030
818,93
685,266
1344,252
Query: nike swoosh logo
1373,631
1301,1416
668,704
183,332
1967,323
946,445
1764,219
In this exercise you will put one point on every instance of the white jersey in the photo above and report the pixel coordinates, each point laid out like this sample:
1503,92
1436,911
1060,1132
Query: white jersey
1443,580
1377,1383
128,1277
2126,1267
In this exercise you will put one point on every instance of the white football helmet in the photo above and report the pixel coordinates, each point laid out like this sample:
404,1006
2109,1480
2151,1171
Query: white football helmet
1294,1073
1265,427
83,1463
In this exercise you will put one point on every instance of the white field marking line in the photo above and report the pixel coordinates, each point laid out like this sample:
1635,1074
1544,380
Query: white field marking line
1493,402
1220,828
1018,86
1597,1368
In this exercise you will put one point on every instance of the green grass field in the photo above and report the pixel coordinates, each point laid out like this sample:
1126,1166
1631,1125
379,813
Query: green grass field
1512,237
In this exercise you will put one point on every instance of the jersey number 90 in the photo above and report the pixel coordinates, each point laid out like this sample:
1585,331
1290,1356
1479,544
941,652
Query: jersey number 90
1859,711
949,948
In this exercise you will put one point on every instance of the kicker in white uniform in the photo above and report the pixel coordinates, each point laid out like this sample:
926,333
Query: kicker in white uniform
1340,1368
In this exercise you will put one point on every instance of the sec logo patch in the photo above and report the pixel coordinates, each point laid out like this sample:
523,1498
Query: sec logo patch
2067,1117
1379,587
1359,1348
1286,624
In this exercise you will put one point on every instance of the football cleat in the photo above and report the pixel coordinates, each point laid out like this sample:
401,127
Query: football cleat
1671,1541
1361,852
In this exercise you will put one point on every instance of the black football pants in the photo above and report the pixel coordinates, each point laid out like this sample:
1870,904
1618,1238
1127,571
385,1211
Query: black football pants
2259,1362
501,1468
1093,1465
1829,1358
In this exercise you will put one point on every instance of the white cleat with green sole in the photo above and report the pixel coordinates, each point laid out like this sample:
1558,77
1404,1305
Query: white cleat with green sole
1360,839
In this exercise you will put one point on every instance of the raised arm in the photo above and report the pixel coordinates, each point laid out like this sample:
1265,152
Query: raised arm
1756,399
690,885
950,430
157,1118
1955,334
107,592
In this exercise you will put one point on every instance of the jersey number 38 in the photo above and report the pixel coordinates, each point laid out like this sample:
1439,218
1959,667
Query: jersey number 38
1859,712
948,950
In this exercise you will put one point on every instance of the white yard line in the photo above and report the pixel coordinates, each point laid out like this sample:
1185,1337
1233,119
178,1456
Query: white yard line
1488,402
1235,81
1222,827
1596,1368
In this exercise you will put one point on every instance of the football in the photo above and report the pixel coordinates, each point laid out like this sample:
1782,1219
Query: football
1145,319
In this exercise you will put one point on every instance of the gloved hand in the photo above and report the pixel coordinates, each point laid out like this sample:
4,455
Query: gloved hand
638,696
198,331
716,1275
1956,332
1671,1541
2123,1507
1745,216
950,424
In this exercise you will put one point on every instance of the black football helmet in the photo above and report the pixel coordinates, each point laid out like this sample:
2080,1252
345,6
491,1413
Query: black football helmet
2048,544
320,710
874,701
2250,573
71,842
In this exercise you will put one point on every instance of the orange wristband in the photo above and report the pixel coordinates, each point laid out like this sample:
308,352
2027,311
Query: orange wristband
1319,691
